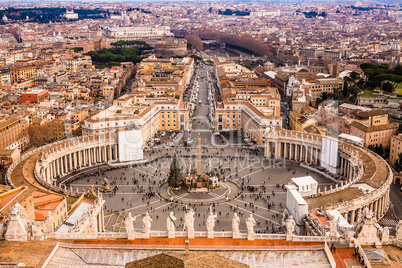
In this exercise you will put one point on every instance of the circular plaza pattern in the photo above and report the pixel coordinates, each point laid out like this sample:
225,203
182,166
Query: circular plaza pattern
226,190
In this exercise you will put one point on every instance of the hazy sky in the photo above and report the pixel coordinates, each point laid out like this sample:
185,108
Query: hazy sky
8,2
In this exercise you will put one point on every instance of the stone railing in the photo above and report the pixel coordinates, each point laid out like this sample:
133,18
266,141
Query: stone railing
164,234
311,238
364,256
329,255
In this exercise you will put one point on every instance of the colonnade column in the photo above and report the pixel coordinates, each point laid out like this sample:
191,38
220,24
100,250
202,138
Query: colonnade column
352,217
286,150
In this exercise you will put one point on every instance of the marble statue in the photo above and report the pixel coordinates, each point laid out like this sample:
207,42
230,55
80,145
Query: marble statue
250,223
129,225
368,232
385,235
15,229
398,234
211,224
93,223
189,223
170,225
36,232
49,223
235,226
333,227
146,225
290,225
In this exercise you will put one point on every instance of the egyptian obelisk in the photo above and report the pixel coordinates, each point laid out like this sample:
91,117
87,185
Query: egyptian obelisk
199,155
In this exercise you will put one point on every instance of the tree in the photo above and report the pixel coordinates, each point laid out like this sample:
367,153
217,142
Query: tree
398,163
387,87
195,41
345,87
175,179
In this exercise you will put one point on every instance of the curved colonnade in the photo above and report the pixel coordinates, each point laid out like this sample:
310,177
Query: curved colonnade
367,177
61,158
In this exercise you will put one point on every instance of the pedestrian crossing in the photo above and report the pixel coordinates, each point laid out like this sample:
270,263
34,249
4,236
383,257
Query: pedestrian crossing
389,222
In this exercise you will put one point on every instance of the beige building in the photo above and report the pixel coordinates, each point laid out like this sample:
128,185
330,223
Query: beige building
395,148
249,105
299,122
20,72
327,85
150,114
13,132
374,134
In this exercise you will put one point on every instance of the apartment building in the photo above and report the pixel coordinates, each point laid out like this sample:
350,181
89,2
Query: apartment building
332,54
327,85
53,203
20,72
373,127
395,148
299,122
136,33
150,114
5,78
33,96
14,132
249,105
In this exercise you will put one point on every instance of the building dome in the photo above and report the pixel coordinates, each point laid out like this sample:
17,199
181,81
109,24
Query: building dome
396,47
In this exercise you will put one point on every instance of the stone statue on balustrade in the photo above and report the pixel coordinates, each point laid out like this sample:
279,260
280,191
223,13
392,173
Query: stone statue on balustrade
36,232
93,223
211,224
250,223
235,226
15,229
290,226
398,234
170,225
367,234
333,227
49,223
146,225
129,225
189,223
385,236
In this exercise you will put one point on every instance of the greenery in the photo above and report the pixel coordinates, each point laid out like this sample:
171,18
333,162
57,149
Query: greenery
78,49
139,9
229,12
313,14
175,179
47,14
189,46
380,150
379,76
367,94
113,56
398,163
136,43
45,133
209,61
195,57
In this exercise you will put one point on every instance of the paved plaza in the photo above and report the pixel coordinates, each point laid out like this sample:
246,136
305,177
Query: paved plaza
137,188
226,155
